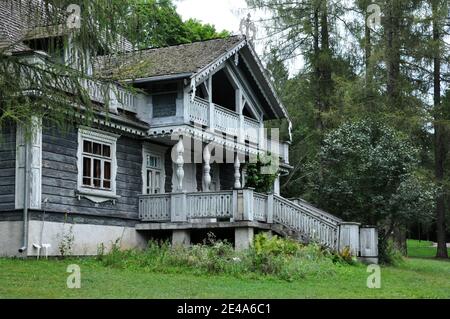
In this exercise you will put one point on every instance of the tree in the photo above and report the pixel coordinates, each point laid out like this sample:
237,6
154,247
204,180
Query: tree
156,23
439,14
200,32
369,173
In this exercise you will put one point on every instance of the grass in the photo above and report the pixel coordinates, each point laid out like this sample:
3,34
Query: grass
421,249
415,278
152,275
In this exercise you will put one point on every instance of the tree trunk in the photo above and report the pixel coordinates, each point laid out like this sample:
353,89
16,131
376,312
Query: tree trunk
439,140
317,74
392,29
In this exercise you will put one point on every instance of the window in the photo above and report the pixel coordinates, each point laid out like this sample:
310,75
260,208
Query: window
164,105
96,163
153,171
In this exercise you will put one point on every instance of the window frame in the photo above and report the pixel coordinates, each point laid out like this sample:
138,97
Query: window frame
104,138
158,152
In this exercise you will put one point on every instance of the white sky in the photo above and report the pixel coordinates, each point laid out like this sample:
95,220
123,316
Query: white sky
227,14
224,14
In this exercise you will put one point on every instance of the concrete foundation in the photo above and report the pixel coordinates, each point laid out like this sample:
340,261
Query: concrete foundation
86,238
181,237
243,238
11,237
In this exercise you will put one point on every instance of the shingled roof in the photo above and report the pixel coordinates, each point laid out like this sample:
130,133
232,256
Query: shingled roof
172,60
17,17
22,20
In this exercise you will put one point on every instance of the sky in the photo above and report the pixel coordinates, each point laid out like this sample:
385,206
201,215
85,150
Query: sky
224,14
227,14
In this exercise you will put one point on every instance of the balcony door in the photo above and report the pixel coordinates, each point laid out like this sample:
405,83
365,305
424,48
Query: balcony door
153,175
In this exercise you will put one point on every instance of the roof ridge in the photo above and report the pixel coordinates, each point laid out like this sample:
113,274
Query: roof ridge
176,45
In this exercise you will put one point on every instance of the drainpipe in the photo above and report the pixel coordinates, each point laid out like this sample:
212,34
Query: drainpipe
25,203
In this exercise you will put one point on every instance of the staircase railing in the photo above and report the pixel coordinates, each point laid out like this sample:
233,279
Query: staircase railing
311,225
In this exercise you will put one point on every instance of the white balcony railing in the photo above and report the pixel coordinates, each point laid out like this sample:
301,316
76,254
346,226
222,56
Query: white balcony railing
223,205
210,205
252,129
226,121
198,111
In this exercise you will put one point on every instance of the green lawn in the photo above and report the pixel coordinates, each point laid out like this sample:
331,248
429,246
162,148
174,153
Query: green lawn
416,278
421,249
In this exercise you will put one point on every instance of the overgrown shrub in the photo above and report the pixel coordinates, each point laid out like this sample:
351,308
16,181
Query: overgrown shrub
269,256
388,253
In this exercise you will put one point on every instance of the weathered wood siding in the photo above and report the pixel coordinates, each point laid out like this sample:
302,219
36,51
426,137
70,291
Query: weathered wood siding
7,168
59,176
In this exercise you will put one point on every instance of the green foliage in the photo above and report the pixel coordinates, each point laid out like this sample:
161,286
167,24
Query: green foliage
262,174
157,23
346,256
365,172
269,256
388,253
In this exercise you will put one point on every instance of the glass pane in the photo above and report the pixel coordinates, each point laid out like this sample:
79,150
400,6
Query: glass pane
97,149
87,181
107,170
106,184
149,182
97,172
157,183
106,151
157,179
97,168
86,167
87,147
97,182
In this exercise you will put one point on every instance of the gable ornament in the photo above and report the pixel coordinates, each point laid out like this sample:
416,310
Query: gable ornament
248,28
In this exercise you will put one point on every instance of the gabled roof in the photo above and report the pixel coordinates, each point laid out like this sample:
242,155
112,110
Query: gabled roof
178,59
193,60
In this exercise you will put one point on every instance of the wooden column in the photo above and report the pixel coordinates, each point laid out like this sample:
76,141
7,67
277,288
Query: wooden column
206,168
179,163
237,173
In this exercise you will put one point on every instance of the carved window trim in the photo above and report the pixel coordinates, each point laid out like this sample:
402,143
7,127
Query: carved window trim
97,195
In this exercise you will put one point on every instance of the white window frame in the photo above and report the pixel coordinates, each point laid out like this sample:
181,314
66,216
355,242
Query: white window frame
155,151
97,136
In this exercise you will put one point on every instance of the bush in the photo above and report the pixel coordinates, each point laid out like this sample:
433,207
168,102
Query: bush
269,256
388,253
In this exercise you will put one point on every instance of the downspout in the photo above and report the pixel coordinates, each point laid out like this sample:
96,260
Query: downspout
25,203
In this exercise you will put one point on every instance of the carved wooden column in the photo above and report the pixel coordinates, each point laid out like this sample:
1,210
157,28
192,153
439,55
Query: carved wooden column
180,162
206,168
237,173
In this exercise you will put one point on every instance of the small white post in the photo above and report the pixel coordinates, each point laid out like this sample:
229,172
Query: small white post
270,209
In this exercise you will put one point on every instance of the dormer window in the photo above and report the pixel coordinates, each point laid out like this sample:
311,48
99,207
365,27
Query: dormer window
54,47
164,105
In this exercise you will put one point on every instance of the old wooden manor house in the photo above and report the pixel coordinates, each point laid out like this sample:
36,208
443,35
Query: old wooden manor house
130,177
